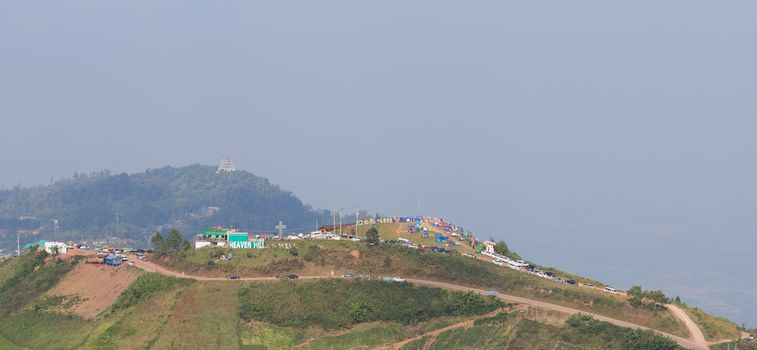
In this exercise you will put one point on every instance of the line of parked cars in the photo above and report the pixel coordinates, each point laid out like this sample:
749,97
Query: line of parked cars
520,265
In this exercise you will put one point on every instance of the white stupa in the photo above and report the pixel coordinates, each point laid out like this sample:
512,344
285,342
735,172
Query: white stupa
227,165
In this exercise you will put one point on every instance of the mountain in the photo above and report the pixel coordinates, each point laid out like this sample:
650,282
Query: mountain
133,206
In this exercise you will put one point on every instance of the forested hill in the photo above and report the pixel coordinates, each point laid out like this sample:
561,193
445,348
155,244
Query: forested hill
190,198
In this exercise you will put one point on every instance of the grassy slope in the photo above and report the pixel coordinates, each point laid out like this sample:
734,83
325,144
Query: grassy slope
339,256
160,314
163,313
713,327
361,338
206,316
337,304
6,344
26,279
730,346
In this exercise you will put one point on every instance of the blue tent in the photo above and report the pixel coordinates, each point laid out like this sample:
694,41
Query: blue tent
113,260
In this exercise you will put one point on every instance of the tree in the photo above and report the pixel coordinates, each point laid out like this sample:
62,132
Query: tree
157,241
372,236
174,240
501,247
185,245
646,340
635,296
657,297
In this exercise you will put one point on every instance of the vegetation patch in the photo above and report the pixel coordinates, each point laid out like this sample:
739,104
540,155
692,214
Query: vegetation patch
335,304
144,287
587,331
31,276
257,335
498,319
6,344
56,302
204,316
42,330
416,344
362,338
481,337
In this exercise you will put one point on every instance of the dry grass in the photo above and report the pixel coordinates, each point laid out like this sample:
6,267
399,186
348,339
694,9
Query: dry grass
96,286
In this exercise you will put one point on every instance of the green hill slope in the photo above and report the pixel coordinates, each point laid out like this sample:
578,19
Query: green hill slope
160,312
322,257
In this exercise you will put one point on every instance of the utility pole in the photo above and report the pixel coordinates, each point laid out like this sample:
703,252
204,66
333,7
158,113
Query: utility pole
357,218
333,218
18,243
341,216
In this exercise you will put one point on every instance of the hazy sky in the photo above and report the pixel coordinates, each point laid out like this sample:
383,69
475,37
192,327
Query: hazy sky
615,139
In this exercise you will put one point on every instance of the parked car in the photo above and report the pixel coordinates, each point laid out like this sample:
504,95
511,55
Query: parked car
348,275
610,289
292,277
469,255
232,277
573,282
398,279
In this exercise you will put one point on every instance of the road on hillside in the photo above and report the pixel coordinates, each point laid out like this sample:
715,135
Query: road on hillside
697,342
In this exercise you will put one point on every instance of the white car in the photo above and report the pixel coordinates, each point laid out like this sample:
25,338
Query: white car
498,262
398,279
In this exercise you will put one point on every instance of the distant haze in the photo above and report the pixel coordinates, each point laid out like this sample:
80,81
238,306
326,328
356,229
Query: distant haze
612,139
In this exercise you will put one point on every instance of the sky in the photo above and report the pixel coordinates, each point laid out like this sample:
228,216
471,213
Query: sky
614,139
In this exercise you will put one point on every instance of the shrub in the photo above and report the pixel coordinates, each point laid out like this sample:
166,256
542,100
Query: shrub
647,340
498,319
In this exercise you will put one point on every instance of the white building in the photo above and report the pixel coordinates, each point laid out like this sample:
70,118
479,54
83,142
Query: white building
227,165
199,244
61,247
489,246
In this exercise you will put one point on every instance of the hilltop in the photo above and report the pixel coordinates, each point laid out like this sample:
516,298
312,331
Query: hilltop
184,300
190,198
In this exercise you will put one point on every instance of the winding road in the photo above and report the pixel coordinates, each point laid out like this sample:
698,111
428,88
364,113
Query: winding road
697,342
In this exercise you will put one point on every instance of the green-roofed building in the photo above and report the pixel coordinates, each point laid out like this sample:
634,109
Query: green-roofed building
215,233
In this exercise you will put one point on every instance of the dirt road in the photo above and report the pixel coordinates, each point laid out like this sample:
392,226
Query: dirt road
698,342
696,333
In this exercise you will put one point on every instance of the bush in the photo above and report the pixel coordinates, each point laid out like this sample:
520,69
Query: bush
646,340
498,319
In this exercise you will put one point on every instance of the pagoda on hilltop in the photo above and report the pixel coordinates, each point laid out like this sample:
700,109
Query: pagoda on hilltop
227,165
